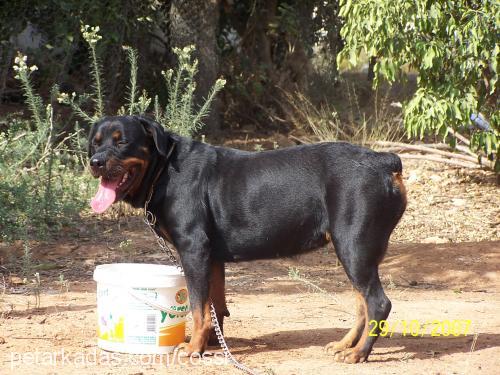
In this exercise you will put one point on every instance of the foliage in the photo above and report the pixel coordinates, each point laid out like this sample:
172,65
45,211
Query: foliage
268,48
132,89
41,185
453,45
262,45
180,115
91,36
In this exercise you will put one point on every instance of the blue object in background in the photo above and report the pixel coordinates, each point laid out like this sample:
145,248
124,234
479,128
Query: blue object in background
480,122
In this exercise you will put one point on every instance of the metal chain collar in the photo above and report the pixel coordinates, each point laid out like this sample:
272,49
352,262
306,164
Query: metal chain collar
150,221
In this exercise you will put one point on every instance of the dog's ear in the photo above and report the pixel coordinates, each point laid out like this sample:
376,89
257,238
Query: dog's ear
157,132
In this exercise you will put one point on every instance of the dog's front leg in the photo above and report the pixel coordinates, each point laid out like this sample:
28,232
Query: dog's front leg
195,260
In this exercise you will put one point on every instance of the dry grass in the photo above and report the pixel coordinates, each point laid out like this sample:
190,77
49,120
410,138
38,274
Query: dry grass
361,126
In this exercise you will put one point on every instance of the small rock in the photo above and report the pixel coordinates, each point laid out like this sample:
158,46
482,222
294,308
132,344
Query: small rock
459,202
412,177
435,239
42,321
2,341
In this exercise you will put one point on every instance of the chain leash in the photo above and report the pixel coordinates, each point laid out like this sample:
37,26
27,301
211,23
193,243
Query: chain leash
150,221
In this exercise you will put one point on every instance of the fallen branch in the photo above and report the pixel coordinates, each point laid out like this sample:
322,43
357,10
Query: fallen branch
444,146
465,150
438,159
426,149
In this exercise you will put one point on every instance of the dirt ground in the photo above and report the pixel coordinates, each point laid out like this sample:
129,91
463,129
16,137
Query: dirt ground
442,265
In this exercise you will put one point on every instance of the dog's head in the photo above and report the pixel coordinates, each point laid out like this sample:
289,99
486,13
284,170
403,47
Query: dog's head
120,150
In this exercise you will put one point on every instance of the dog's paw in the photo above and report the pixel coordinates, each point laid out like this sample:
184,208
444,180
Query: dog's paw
187,349
349,356
335,347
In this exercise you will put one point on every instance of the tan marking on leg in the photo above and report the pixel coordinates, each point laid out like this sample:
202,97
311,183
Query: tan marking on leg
202,323
200,340
351,338
355,354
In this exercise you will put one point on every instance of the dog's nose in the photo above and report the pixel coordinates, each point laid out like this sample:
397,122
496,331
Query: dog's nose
97,161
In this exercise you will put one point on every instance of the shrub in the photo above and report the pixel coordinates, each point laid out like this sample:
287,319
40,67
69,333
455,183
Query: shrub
41,185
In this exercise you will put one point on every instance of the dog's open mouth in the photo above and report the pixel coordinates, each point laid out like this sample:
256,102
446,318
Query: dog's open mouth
111,190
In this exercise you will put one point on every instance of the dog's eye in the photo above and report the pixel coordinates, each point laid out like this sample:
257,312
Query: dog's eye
122,143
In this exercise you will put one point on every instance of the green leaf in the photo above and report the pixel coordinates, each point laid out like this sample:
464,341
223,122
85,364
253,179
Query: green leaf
428,58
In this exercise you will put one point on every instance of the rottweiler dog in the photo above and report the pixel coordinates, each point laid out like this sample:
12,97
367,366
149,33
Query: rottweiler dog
218,205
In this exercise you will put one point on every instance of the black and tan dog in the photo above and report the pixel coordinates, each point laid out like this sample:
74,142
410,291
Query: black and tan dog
220,205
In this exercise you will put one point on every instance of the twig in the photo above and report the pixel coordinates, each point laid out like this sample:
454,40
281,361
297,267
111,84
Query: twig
301,140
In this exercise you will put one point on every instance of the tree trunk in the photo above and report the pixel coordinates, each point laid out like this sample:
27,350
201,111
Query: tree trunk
195,22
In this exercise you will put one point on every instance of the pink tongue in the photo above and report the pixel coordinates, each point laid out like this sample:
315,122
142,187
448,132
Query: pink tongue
105,196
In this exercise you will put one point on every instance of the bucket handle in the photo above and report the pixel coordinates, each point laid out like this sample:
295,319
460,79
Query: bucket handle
157,306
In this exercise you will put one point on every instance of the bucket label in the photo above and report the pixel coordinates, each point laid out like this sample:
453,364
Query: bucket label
134,316
181,296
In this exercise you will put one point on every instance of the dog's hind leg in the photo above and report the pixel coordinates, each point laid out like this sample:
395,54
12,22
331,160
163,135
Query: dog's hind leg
378,307
352,337
218,297
360,254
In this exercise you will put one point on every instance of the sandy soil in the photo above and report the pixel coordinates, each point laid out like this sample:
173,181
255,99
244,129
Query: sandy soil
443,264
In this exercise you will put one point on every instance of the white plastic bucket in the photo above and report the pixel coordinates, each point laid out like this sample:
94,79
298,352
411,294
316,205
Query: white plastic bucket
141,308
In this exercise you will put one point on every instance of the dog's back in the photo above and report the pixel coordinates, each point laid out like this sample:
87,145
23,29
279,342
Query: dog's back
283,202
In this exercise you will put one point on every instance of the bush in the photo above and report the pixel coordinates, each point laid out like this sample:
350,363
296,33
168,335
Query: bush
42,185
